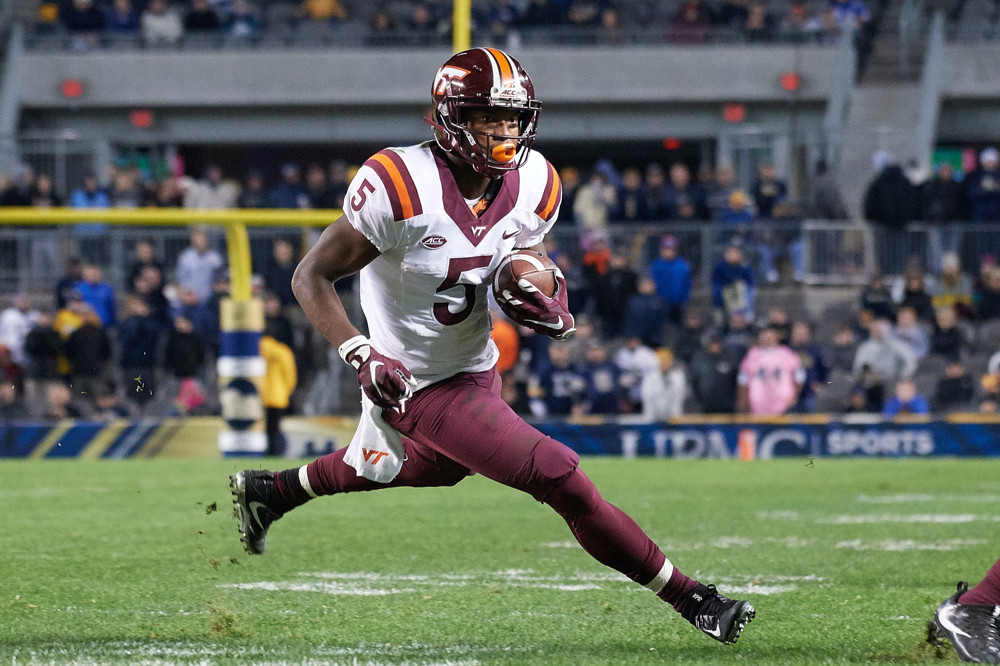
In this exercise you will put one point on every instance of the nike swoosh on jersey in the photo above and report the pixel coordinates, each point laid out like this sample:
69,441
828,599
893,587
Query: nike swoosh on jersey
511,234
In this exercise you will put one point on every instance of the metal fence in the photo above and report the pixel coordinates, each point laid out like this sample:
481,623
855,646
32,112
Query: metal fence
812,252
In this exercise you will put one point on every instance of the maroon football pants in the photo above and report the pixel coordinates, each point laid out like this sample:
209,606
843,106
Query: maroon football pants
461,426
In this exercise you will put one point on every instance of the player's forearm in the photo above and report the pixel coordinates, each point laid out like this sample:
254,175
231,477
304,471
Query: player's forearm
322,305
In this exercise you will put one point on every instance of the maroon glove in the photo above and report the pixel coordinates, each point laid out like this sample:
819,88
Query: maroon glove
384,380
543,314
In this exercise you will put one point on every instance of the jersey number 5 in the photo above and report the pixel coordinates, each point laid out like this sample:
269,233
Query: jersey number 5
358,202
456,267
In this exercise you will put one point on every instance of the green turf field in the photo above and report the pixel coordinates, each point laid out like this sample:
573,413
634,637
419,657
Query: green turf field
139,562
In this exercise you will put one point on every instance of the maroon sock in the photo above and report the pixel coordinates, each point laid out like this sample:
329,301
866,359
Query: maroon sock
988,589
290,489
676,590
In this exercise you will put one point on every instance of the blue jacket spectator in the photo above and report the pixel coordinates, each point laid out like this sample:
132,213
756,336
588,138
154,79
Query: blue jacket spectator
122,18
99,295
90,195
646,315
291,193
200,315
196,266
768,191
603,380
906,401
685,200
560,386
733,284
982,188
672,275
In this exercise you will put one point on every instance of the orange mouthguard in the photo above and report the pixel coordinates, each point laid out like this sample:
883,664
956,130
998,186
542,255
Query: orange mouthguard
504,152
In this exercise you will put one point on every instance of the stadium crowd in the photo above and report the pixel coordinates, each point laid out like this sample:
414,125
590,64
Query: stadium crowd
644,344
88,24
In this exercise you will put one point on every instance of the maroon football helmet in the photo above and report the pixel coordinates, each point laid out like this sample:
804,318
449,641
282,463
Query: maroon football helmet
483,78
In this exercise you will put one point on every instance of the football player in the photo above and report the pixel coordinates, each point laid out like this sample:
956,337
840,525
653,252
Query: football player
970,619
426,226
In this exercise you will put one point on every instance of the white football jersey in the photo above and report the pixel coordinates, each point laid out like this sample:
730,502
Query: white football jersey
426,295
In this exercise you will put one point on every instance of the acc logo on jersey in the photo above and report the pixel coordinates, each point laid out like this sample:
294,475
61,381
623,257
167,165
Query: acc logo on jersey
433,242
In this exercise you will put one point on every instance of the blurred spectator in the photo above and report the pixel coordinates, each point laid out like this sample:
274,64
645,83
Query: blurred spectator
243,23
381,28
253,194
108,406
685,200
610,303
324,11
713,377
122,18
610,32
664,389
602,380
211,192
863,324
338,182
982,187
672,275
84,21
139,336
890,203
541,14
16,191
88,350
276,389
850,12
190,397
739,336
947,339
201,18
634,361
813,364
884,359
733,14
196,265
943,204
877,298
90,194
953,288
770,377
631,201
768,190
16,322
688,339
909,332
279,271
42,347
823,198
290,193
124,191
47,22
98,294
733,285
145,255
777,318
717,197
954,391
12,404
691,24
657,205
43,195
560,388
645,314
915,296
276,322
161,25
986,297
760,25
843,349
736,212
596,198
198,312
60,403
184,354
149,287
906,400
321,195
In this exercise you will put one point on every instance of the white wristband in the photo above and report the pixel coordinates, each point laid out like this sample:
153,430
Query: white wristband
352,345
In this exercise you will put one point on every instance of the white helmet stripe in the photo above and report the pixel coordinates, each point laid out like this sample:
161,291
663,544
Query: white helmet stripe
493,63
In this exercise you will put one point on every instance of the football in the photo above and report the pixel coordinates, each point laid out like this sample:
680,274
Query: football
528,265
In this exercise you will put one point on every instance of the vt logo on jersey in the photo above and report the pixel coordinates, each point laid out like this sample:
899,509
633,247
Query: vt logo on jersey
433,242
477,230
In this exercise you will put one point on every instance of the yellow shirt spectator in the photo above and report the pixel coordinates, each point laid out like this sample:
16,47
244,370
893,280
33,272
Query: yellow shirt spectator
280,376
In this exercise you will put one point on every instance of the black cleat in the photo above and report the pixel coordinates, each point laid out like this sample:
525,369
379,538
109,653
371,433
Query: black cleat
974,629
253,496
721,618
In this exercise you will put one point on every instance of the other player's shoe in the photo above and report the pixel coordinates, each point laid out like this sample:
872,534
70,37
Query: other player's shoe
974,629
254,495
721,618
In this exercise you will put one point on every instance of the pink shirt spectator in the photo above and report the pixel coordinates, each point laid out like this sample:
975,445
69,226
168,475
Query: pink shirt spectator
772,376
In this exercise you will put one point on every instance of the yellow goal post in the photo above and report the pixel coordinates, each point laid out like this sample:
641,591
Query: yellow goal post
241,317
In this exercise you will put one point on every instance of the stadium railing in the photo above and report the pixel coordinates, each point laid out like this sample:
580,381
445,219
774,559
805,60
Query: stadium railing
35,245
